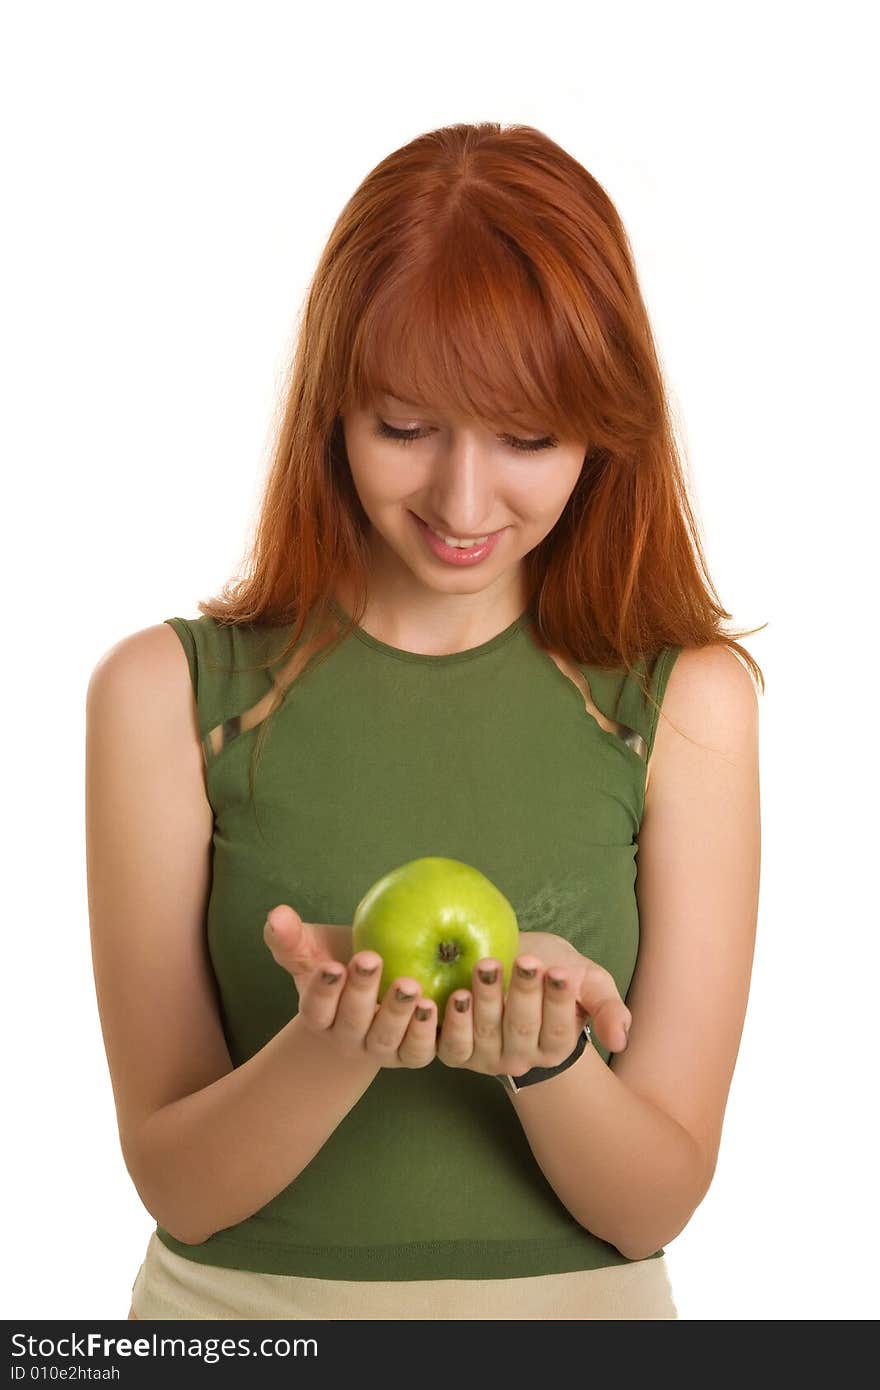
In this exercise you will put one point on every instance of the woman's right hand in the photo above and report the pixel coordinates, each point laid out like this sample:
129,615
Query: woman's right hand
338,993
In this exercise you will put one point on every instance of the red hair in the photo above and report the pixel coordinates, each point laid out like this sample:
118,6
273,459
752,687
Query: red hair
482,269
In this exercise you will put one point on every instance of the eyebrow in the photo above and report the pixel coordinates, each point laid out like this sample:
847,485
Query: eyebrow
422,405
417,405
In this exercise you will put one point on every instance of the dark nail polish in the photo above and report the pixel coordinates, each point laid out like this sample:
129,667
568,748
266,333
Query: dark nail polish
462,1005
488,976
557,984
525,974
404,997
366,969
422,1014
329,977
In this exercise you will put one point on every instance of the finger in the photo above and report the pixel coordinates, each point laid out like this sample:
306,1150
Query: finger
357,1006
488,1009
289,938
456,1044
600,998
392,1019
320,997
560,1024
419,1046
523,1008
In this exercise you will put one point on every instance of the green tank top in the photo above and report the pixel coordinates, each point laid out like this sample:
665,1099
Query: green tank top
378,756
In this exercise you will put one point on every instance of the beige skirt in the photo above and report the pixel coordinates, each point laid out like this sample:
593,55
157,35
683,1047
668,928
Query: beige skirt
168,1286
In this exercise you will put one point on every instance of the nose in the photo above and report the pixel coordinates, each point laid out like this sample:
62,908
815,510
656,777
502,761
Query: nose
461,496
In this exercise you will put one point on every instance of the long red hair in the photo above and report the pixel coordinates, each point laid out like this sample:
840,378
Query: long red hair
483,269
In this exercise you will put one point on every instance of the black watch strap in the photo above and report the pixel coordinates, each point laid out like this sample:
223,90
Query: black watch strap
537,1074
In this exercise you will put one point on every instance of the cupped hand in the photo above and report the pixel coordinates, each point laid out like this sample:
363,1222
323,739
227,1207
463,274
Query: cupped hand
553,990
598,997
338,993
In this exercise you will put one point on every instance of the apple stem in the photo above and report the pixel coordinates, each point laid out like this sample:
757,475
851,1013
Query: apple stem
448,950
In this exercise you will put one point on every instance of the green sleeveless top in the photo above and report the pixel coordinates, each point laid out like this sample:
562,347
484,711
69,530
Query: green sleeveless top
378,756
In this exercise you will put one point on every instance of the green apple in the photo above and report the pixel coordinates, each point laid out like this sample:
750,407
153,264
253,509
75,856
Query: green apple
433,919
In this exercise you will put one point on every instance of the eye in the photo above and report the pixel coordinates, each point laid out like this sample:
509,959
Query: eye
386,431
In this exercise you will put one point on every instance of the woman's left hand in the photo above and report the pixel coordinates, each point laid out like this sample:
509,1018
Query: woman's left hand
538,1023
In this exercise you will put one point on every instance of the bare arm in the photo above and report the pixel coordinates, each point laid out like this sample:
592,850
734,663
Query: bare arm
631,1148
625,1170
212,1159
206,1144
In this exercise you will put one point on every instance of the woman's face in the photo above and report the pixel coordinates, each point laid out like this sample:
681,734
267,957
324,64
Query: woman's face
462,480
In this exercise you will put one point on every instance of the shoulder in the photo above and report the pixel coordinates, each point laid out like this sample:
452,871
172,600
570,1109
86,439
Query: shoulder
141,706
145,680
153,657
712,692
709,709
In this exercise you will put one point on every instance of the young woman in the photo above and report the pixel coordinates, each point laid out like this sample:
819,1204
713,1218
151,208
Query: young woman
473,626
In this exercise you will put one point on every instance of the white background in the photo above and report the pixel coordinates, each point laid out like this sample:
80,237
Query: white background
171,173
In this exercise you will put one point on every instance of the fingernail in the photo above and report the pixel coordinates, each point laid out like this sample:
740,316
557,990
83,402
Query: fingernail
422,1014
626,1027
488,976
404,997
270,929
366,969
526,974
557,984
462,1004
329,977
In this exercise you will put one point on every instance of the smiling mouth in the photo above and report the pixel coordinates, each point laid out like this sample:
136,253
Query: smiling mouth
462,541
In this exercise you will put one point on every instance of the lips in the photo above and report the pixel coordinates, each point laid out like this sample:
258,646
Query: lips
455,555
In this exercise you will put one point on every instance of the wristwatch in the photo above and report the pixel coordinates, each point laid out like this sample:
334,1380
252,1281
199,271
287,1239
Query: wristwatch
513,1084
